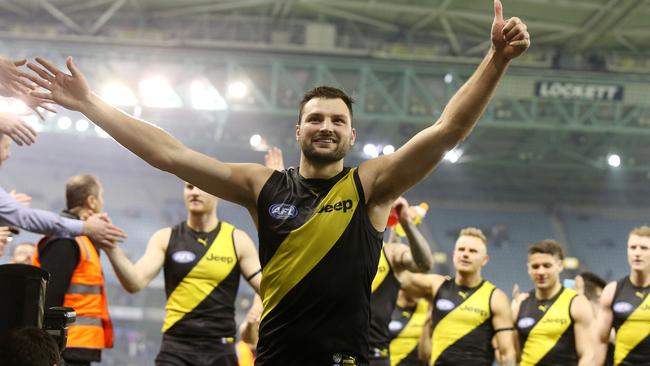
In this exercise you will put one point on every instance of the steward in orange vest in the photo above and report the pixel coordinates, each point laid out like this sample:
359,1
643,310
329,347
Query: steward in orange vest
77,280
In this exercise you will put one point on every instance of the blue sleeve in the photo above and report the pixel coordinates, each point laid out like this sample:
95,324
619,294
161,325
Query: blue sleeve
14,213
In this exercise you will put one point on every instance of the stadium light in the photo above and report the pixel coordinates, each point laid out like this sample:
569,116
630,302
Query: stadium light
206,97
255,140
157,92
371,150
449,78
614,160
237,90
101,133
17,106
452,156
64,123
81,125
388,149
118,94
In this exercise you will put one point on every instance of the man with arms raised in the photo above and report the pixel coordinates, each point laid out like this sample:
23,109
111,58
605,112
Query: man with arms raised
468,311
553,322
320,226
625,306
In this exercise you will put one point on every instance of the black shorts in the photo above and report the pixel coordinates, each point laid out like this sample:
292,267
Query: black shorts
176,351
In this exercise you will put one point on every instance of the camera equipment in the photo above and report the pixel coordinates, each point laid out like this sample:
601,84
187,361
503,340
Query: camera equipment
56,323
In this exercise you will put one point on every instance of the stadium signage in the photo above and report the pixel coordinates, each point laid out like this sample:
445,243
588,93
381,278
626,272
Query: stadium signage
577,90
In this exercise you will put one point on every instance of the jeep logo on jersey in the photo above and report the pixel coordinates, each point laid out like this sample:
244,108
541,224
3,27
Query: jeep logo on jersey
623,307
218,258
183,256
444,305
283,211
344,206
526,322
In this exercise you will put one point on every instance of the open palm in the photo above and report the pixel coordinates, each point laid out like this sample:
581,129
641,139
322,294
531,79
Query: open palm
68,90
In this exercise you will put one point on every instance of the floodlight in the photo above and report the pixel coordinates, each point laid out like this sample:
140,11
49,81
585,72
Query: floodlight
452,156
157,92
64,123
118,94
388,149
614,160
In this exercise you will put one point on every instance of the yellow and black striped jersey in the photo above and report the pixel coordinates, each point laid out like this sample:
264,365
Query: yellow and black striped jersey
405,329
319,254
545,329
462,325
385,287
631,309
201,281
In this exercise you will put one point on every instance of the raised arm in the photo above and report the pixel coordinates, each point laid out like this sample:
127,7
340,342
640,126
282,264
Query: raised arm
17,214
417,158
421,285
239,183
135,277
416,257
504,327
604,322
583,318
249,262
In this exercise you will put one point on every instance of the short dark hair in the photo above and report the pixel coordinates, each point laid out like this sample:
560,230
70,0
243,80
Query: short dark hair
327,92
593,283
29,346
79,188
547,246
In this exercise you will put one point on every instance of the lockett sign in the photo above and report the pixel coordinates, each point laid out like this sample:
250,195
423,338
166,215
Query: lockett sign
576,90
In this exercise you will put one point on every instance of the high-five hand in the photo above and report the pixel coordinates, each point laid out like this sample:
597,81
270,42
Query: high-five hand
68,90
510,37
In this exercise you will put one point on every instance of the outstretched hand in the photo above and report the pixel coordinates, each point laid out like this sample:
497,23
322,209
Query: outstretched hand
68,90
10,77
273,159
510,37
17,129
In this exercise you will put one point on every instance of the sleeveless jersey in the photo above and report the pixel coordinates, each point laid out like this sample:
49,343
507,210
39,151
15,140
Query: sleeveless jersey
545,330
201,281
462,325
405,329
385,287
319,253
631,309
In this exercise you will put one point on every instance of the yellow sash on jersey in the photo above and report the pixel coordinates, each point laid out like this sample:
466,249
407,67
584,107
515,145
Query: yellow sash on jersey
203,278
383,269
307,245
635,329
548,330
402,345
467,316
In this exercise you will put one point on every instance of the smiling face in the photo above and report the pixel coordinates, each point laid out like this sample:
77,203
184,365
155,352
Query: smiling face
325,132
470,254
638,253
198,201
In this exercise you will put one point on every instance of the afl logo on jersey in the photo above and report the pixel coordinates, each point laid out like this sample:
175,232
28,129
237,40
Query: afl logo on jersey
183,256
283,211
526,322
395,325
444,305
623,307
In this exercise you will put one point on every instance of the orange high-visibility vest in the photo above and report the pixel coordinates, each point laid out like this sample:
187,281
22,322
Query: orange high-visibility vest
87,296
245,354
